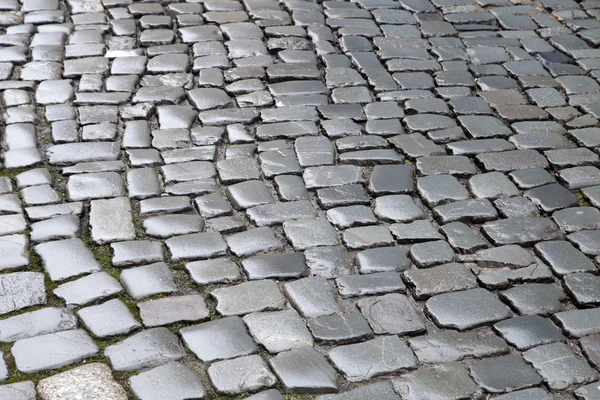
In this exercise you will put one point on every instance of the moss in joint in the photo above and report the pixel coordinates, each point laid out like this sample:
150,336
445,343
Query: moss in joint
582,201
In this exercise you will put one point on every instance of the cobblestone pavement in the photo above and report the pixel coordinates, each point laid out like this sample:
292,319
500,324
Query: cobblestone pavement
376,199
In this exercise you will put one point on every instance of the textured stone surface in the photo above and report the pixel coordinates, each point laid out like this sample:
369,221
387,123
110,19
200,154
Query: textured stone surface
92,381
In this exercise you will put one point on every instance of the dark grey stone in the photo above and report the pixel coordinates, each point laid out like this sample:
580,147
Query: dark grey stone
528,331
248,297
441,279
304,370
340,328
578,323
376,283
392,314
521,230
559,366
504,374
563,257
448,345
445,381
220,339
466,309
379,356
535,298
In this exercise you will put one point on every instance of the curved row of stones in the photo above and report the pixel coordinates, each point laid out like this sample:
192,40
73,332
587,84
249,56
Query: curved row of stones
374,199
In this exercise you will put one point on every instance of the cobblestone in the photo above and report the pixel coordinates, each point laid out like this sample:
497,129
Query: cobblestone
268,198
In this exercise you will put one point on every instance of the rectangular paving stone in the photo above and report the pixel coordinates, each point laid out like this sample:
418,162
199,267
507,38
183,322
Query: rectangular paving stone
111,220
53,350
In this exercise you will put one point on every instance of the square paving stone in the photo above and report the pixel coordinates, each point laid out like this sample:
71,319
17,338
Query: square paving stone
367,236
563,257
379,390
19,391
449,345
528,331
591,348
108,319
304,370
311,296
253,241
492,185
441,279
587,241
164,226
196,245
417,231
148,280
552,197
508,161
559,366
392,314
588,392
440,189
248,194
238,169
472,210
466,309
34,323
111,220
95,186
279,330
278,213
285,265
220,339
578,323
397,208
271,394
391,179
376,283
577,218
84,290
526,394
340,328
535,298
13,251
145,349
446,165
67,258
170,380
244,374
173,309
584,287
320,177
136,252
504,374
92,379
307,233
366,360
445,381
521,230
516,207
433,253
53,350
350,216
248,297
